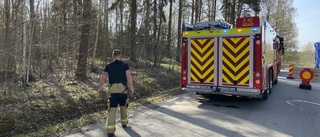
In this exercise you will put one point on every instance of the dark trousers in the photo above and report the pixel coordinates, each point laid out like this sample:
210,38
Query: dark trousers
118,98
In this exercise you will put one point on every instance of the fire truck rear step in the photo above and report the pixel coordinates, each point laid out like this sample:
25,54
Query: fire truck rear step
227,90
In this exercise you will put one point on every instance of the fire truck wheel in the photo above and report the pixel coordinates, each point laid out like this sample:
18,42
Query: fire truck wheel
265,95
275,82
270,79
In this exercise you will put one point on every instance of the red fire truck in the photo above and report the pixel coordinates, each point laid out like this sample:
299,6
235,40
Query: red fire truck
243,61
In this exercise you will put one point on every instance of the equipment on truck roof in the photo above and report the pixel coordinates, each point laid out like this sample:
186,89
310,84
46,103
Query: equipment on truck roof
207,25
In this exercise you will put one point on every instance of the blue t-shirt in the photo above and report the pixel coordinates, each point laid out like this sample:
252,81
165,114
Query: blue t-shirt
117,72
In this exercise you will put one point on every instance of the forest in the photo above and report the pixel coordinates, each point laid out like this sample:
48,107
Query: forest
52,52
43,36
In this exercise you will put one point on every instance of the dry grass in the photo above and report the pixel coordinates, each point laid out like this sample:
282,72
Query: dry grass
60,104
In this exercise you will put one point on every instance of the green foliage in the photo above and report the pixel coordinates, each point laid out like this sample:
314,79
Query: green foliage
231,8
7,123
7,99
302,58
50,107
307,56
281,14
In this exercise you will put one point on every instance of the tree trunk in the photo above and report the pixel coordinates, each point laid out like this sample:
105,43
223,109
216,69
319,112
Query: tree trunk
32,40
6,40
84,43
146,28
133,16
233,13
179,32
200,10
192,11
168,51
155,27
121,27
239,9
97,31
24,43
196,11
156,59
96,39
210,5
15,43
33,23
106,39
215,10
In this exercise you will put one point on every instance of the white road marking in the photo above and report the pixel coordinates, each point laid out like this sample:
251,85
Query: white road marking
291,102
303,101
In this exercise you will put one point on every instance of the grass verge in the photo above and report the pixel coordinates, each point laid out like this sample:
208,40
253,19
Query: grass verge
76,125
60,104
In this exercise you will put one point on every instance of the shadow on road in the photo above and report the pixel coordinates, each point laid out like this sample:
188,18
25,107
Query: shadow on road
201,123
131,132
227,101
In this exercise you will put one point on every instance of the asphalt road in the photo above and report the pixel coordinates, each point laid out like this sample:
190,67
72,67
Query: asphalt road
289,111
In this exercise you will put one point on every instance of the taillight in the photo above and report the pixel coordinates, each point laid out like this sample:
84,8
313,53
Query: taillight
258,42
258,81
184,78
257,65
258,75
184,61
257,36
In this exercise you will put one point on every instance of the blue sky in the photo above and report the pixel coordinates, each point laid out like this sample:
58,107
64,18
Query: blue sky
308,21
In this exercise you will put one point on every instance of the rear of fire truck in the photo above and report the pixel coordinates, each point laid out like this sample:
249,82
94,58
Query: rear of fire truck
219,60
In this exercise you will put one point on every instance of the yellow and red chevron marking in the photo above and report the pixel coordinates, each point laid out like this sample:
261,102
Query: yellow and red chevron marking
202,57
235,60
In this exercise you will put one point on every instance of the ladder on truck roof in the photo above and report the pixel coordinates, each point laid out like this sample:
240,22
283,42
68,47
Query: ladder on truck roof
206,25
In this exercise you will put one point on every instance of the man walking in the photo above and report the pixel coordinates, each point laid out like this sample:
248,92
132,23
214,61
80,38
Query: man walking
119,79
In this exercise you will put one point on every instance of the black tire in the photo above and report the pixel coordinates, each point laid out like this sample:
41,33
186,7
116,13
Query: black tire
270,81
265,95
275,82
